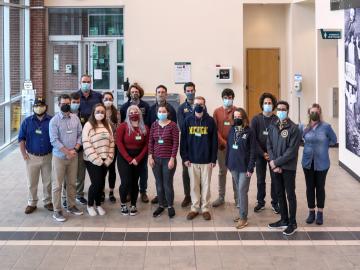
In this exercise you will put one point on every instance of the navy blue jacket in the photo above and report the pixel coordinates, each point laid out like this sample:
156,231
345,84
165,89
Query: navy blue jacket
87,104
144,107
199,142
184,110
243,158
153,114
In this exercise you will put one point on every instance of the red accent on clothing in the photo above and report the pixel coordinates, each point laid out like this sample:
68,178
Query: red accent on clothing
169,134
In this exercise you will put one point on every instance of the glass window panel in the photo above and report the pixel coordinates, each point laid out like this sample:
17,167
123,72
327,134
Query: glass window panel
19,2
2,90
101,66
120,51
105,25
2,125
120,76
15,118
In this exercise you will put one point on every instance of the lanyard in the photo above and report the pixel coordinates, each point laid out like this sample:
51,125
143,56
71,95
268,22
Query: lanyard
237,134
266,127
160,137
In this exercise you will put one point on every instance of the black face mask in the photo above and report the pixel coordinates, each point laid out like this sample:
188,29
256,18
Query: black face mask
198,108
65,108
238,122
314,116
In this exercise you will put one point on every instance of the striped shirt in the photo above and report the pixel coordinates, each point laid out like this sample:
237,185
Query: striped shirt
98,145
164,141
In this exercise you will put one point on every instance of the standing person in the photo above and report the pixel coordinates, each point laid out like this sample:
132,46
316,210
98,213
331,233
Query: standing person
184,110
161,99
132,141
223,120
283,144
318,136
163,147
36,150
260,124
99,146
88,99
135,94
113,117
198,150
240,160
65,137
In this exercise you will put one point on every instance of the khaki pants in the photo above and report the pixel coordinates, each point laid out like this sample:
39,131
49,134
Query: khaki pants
80,180
64,169
200,178
34,166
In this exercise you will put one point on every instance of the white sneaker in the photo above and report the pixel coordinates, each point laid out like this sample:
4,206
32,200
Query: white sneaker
91,210
100,210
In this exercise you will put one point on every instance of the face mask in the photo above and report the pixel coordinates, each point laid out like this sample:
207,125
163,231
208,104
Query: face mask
39,110
99,116
135,96
108,103
85,87
198,108
74,107
65,108
282,115
314,116
238,122
190,96
227,102
134,117
268,108
162,116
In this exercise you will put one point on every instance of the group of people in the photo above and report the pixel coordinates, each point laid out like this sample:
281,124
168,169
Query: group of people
90,133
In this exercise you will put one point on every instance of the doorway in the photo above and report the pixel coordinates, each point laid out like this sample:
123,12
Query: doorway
262,75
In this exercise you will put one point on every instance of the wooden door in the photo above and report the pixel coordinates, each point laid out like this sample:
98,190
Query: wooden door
262,75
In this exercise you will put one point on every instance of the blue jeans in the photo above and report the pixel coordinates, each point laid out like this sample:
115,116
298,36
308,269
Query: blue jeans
242,186
164,181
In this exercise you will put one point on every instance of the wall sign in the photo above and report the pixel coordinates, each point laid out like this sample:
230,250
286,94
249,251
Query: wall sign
326,34
182,72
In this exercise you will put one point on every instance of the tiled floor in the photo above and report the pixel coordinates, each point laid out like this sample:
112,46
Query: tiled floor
36,241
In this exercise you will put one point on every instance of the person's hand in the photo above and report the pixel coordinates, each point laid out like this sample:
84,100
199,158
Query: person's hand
266,156
26,156
71,154
171,163
187,163
151,162
134,162
248,174
272,164
277,170
212,165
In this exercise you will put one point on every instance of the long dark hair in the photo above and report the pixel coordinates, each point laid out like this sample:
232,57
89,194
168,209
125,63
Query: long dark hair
93,121
114,112
244,116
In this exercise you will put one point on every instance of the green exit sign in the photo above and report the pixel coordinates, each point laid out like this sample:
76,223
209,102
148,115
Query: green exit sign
330,34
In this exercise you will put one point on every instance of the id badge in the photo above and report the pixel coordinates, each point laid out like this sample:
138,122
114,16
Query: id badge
160,141
198,134
69,131
38,131
235,146
138,138
226,123
265,133
82,120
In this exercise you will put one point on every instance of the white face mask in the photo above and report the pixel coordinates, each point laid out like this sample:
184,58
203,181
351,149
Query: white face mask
99,116
108,103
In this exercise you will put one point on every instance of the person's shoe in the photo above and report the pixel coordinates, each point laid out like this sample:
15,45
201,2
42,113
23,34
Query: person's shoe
75,211
112,197
58,216
102,197
311,217
192,215
81,200
275,208
128,198
236,219
49,206
29,209
91,210
144,197
158,211
155,200
206,215
171,212
186,202
65,204
133,210
219,201
278,225
319,218
242,223
100,210
259,207
290,230
124,210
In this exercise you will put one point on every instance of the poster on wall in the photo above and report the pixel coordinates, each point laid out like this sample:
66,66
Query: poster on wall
352,80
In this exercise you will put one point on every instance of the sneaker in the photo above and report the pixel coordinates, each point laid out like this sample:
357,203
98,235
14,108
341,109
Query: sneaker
219,201
186,202
75,211
144,197
49,206
171,212
206,216
192,215
278,225
155,200
102,197
259,207
133,210
276,208
91,210
29,209
311,217
158,211
290,230
242,223
124,210
112,197
58,216
81,200
319,218
100,210
65,204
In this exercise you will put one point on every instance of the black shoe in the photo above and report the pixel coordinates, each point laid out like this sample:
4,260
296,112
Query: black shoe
311,218
186,202
319,218
259,207
158,211
124,210
290,230
276,208
112,197
278,225
155,200
171,212
103,197
81,200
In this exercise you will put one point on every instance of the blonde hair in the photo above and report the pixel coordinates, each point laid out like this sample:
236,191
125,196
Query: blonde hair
141,120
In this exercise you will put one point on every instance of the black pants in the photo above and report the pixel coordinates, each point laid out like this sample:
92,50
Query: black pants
112,172
261,165
315,184
97,178
164,181
285,188
129,175
144,176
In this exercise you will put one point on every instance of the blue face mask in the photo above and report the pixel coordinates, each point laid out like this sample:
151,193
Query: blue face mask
268,108
227,102
282,115
162,116
85,87
74,107
190,96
